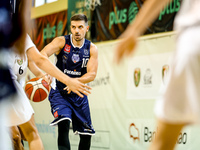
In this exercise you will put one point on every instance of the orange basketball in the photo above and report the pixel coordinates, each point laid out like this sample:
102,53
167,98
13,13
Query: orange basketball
37,89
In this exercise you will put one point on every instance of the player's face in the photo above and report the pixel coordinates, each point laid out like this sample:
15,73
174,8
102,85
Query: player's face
79,29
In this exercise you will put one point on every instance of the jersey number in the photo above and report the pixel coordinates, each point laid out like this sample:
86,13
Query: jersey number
21,70
84,63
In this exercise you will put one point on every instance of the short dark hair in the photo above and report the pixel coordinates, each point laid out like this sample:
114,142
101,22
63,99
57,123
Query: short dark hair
78,17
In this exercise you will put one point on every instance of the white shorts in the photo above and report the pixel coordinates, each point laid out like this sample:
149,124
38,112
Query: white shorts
179,101
20,108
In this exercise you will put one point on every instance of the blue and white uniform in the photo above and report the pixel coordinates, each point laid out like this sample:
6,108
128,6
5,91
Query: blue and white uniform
73,62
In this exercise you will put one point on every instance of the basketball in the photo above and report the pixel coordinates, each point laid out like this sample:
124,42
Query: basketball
37,89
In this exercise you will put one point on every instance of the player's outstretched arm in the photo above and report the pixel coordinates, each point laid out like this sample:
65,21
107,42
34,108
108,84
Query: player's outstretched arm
148,13
37,71
46,65
34,68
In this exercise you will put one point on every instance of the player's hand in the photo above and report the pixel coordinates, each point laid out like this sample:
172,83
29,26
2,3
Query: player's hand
47,78
127,45
77,87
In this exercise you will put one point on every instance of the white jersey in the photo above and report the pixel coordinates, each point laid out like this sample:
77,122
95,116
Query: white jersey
179,101
189,15
19,64
21,109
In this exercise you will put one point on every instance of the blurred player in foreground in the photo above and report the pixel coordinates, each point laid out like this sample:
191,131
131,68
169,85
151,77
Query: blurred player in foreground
21,111
179,102
78,58
12,29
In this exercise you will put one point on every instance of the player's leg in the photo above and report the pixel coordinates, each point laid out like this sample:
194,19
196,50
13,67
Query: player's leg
82,123
16,138
167,136
85,142
31,134
62,114
63,135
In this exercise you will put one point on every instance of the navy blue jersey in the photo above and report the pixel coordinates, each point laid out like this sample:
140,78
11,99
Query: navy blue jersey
73,60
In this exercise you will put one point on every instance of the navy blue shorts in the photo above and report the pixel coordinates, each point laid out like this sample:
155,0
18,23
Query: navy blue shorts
73,108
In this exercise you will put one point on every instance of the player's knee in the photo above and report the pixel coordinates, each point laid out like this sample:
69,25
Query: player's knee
16,138
31,134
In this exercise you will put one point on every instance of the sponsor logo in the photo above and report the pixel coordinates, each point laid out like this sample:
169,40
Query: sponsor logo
75,58
20,61
165,70
101,81
67,49
72,72
64,59
88,130
134,136
148,77
144,133
136,76
55,114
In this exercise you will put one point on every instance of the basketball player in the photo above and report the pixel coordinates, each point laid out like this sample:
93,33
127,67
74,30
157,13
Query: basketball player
78,58
179,102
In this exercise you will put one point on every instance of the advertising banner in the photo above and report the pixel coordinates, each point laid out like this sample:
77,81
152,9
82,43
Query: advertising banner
147,76
48,27
112,17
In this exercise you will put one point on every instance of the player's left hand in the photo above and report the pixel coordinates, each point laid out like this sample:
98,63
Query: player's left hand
77,87
47,78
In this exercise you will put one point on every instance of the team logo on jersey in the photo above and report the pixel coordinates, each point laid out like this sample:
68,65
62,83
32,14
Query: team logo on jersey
20,61
86,52
137,76
75,58
67,48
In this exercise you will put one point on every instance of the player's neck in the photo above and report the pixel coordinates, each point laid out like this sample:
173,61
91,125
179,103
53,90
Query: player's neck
77,43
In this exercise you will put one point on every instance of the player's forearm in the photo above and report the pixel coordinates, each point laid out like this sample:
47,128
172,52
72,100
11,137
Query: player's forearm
35,70
46,65
88,77
148,13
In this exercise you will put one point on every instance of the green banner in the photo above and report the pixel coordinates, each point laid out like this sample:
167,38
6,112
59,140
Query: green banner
49,27
112,17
